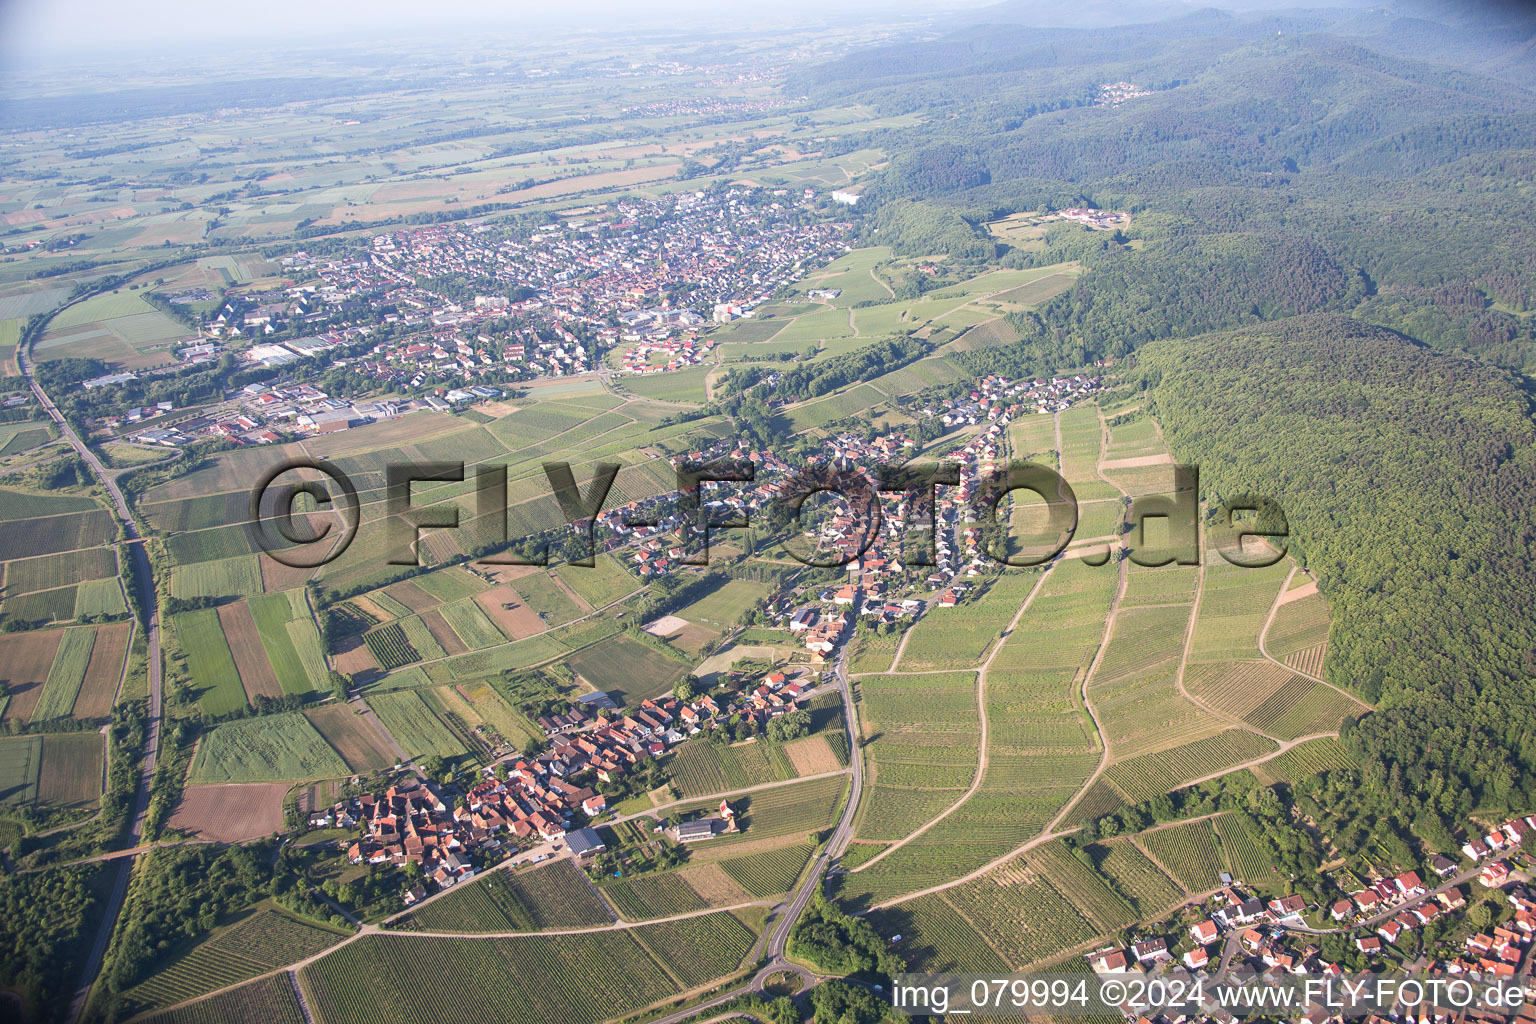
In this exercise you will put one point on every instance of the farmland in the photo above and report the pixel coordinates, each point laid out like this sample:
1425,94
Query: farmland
66,674
650,896
270,1000
1188,852
948,638
629,670
1245,852
581,979
269,749
21,759
414,725
215,679
360,743
255,943
556,895
71,770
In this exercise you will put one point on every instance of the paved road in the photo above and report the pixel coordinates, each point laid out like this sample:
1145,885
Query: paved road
785,917
135,547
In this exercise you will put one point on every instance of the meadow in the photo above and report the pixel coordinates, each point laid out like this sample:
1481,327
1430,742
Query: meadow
274,748
629,670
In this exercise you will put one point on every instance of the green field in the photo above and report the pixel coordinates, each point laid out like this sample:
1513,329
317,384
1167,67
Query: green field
289,637
628,669
274,748
414,725
604,583
209,662
726,604
21,759
66,675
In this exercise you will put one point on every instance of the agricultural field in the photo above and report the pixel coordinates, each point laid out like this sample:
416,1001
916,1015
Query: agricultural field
556,895
771,872
548,599
21,762
1246,854
921,745
1232,610
648,896
414,725
1135,876
357,739
1147,775
26,659
274,748
48,572
270,1000
215,679
791,810
256,942
66,674
1304,760
227,577
401,979
230,812
725,605
471,625
71,773
952,638
628,670
604,583
1190,853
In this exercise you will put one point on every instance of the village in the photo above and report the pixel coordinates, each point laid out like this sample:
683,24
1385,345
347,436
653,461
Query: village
1243,936
529,808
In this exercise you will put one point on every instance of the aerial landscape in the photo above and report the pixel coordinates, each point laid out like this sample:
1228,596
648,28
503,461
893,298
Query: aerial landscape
767,512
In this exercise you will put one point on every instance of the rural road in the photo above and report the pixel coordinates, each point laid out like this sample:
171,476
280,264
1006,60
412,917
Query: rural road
784,919
144,577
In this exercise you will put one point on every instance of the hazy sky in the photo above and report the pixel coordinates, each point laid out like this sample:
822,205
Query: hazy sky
36,27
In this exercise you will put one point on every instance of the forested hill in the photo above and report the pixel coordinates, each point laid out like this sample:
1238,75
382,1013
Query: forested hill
1349,139
1409,480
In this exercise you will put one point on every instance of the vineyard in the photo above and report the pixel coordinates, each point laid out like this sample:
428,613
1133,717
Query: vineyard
956,638
264,940
1302,708
554,896
699,767
699,949
1025,921
1147,775
1246,853
1233,608
389,647
1235,688
647,896
1188,852
1082,886
270,1000
393,978
1298,626
1310,758
1135,876
934,937
770,873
